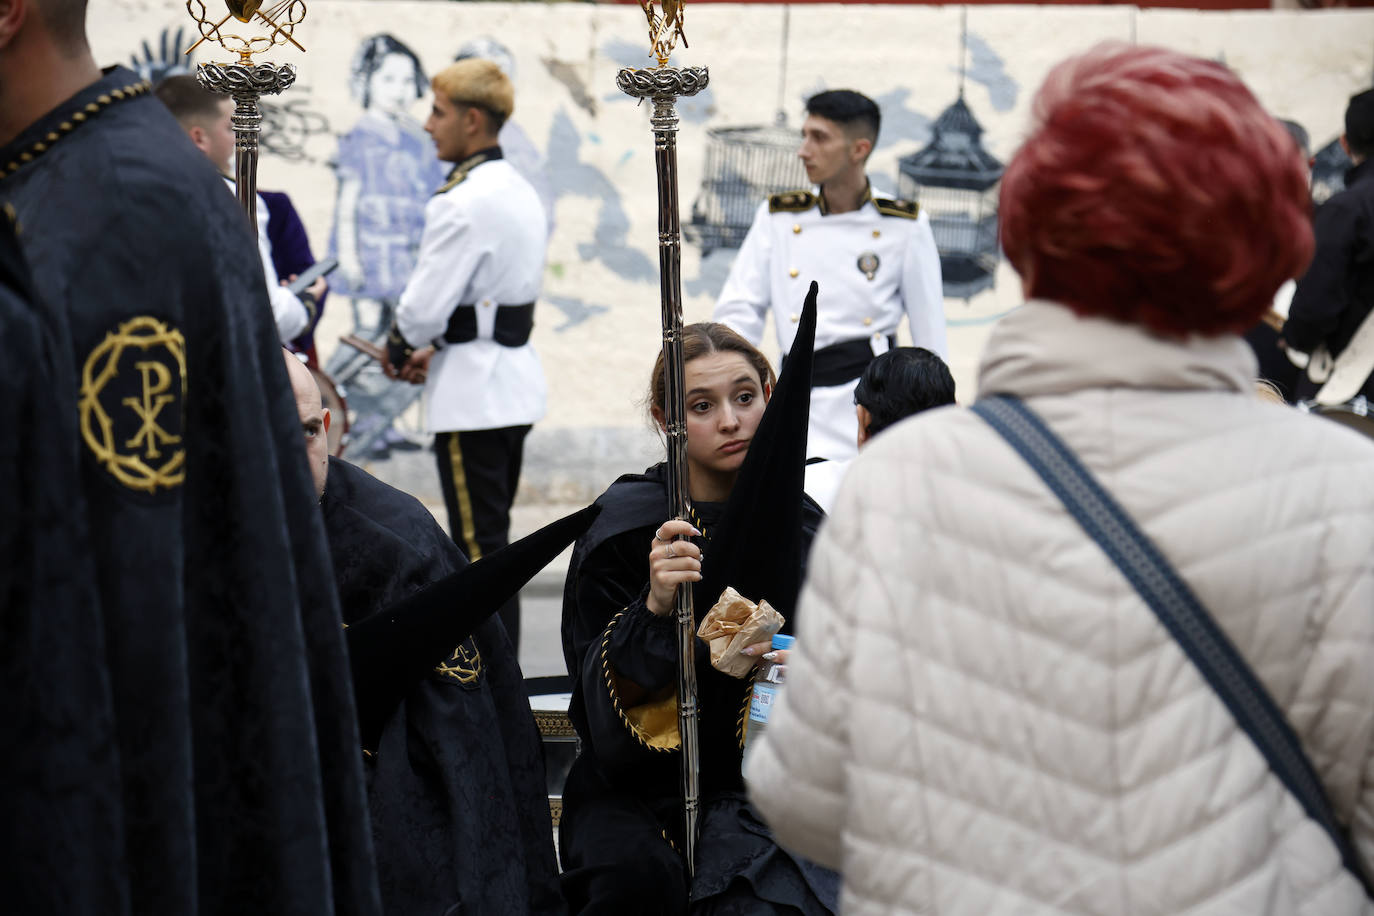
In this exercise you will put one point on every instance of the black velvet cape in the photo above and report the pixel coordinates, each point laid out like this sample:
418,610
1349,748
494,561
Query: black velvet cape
605,620
179,730
460,814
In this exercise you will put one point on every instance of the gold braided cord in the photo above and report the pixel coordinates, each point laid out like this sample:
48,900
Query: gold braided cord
658,736
75,120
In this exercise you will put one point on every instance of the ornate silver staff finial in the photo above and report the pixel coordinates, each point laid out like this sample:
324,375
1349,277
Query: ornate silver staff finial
663,85
245,81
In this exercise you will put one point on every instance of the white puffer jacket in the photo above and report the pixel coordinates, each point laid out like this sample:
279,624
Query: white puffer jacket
982,717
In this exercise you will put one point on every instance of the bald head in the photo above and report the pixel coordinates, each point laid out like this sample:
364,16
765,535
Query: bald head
314,418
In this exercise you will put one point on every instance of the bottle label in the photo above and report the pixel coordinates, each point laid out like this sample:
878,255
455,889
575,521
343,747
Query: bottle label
762,702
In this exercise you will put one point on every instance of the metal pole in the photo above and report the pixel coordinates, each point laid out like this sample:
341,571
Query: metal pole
663,86
245,83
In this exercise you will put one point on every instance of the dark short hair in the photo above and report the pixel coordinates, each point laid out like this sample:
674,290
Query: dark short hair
65,20
1359,123
853,111
902,382
188,101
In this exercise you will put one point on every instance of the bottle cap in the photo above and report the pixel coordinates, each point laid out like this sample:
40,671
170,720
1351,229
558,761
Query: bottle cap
781,641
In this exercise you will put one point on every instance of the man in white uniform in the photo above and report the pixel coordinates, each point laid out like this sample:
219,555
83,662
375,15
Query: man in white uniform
874,259
463,322
206,118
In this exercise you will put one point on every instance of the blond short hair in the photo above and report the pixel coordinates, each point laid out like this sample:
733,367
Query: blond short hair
479,83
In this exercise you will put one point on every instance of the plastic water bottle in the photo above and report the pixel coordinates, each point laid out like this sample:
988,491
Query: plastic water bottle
767,682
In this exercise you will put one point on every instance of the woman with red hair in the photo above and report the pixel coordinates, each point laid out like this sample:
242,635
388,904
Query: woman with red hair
983,714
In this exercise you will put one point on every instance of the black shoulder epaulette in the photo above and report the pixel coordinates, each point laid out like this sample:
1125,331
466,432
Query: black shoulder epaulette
791,202
904,208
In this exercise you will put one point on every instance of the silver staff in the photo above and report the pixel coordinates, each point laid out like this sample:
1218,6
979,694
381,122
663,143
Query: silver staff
662,86
245,84
247,81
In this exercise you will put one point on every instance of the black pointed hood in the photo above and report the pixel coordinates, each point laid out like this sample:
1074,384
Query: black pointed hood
391,651
765,506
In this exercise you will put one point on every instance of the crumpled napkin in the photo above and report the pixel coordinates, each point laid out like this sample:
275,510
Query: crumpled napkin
733,623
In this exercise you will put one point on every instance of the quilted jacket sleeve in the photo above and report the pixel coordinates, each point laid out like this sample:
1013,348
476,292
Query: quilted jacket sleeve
796,771
1330,708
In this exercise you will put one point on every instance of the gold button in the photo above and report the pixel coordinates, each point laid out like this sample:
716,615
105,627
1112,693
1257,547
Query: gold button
793,272
876,233
796,229
867,322
794,317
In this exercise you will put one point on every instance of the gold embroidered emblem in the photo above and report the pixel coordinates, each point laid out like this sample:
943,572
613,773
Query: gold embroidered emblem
133,393
465,666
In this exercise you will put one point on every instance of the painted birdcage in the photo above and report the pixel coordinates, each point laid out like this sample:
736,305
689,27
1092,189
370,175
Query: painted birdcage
954,179
1329,166
744,165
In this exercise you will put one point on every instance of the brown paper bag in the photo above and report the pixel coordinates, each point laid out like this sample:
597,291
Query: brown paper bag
734,623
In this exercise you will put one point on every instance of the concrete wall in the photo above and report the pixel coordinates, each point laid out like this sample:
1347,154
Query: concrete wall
597,328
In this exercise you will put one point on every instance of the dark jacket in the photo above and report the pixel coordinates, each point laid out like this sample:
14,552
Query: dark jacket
202,755
1337,292
622,802
456,789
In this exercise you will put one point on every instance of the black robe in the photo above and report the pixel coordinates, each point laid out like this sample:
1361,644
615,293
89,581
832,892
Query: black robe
460,814
622,804
199,754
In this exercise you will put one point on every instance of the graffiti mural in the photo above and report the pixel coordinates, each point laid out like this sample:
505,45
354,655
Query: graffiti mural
386,170
168,60
348,144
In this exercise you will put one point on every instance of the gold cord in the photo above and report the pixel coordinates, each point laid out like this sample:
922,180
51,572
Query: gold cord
76,119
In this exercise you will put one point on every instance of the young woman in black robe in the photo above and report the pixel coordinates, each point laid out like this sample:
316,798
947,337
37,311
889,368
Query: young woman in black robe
620,833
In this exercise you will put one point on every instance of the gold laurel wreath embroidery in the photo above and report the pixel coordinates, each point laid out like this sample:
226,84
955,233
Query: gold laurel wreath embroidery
97,428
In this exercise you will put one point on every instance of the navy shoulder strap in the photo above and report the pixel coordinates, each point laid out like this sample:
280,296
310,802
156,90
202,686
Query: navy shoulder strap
1177,608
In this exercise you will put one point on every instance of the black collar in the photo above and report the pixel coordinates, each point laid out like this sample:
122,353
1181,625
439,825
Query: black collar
460,171
825,208
117,85
479,157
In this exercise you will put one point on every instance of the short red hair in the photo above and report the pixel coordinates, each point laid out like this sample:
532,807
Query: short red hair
1155,190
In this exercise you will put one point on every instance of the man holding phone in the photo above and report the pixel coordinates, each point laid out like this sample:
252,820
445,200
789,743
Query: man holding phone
205,116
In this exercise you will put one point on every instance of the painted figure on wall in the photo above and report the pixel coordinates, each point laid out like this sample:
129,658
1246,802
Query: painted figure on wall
387,170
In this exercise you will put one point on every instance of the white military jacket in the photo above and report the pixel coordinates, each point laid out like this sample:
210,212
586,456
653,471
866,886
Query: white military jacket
874,265
289,313
482,246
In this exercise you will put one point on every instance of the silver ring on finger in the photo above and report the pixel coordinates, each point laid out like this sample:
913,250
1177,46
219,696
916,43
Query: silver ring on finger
669,551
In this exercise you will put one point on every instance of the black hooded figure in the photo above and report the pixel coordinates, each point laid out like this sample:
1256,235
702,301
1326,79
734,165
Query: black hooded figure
621,830
455,770
179,729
